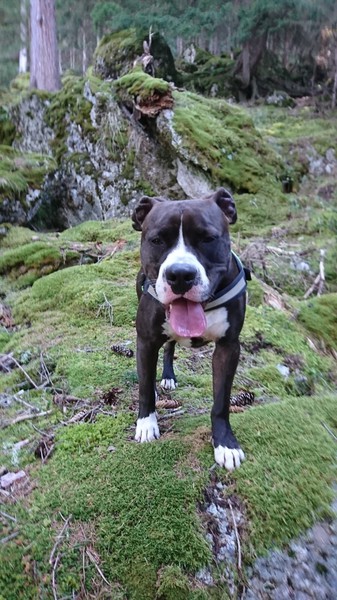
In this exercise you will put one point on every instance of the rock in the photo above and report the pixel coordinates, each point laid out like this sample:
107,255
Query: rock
204,576
283,370
280,98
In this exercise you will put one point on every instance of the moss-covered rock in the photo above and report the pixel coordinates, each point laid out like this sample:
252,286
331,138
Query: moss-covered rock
117,52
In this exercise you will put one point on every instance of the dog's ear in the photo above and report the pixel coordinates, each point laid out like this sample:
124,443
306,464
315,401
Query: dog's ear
225,201
142,209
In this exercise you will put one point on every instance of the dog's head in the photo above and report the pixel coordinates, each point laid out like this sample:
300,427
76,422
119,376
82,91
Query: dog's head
185,246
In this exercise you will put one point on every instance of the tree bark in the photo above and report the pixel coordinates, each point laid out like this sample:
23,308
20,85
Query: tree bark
44,58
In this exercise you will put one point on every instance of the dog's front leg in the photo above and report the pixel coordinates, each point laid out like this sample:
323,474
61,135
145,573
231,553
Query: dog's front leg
227,451
147,428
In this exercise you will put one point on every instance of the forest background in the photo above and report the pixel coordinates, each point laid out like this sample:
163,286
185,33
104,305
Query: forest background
300,34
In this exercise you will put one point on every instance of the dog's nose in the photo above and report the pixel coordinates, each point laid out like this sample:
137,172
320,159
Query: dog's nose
181,277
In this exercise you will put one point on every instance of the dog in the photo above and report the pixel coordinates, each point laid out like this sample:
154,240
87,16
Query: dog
191,290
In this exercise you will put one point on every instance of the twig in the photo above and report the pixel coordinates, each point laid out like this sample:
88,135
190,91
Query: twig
17,399
59,539
7,516
55,561
92,559
107,307
25,373
25,418
45,372
329,431
9,537
175,413
53,577
236,534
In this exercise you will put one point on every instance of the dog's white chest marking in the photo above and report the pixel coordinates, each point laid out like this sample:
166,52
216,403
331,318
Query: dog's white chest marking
217,325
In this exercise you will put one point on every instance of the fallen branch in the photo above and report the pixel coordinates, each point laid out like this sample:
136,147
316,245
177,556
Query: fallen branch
25,417
236,535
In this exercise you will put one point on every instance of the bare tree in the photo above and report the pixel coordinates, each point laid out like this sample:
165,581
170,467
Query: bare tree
44,58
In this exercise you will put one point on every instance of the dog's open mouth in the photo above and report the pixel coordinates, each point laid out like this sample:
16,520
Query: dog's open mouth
186,318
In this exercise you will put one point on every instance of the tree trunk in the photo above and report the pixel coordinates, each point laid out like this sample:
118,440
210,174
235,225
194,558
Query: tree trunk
249,59
23,37
84,51
44,58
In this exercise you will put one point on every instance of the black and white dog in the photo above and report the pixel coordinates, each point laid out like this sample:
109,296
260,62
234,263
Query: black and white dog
191,290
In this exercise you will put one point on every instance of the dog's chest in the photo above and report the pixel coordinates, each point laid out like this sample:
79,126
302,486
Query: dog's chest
217,325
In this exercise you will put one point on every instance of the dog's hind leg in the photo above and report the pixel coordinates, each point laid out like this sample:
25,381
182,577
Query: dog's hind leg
169,380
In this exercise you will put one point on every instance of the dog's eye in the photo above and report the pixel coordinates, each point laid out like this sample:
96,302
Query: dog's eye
208,239
156,241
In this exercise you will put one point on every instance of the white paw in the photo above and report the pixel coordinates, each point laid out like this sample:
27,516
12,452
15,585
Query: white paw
230,458
147,429
168,384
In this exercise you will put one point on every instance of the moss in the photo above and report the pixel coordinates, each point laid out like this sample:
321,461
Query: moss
291,456
138,83
7,128
31,261
255,292
172,584
144,552
96,231
19,171
319,316
222,140
4,339
116,52
134,476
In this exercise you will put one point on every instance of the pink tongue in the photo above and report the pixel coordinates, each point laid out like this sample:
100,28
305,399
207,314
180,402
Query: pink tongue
187,318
